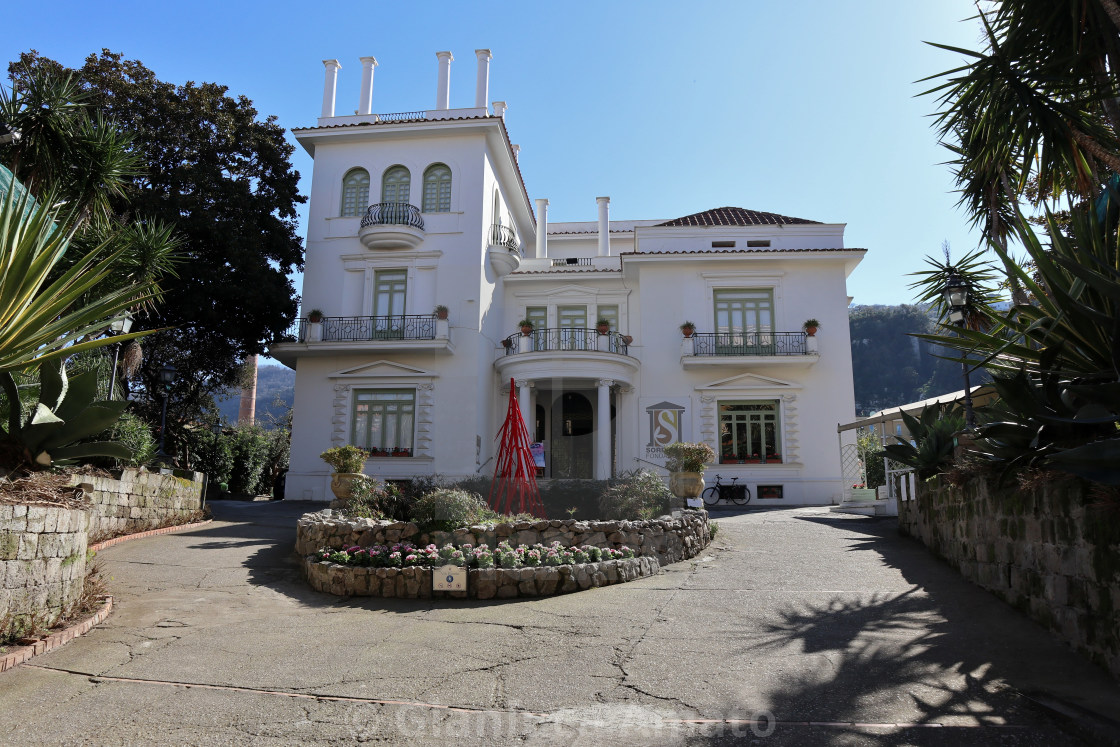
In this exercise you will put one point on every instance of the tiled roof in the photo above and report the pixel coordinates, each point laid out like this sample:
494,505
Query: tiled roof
740,251
734,216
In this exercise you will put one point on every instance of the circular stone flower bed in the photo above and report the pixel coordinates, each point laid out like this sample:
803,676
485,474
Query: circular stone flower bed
362,557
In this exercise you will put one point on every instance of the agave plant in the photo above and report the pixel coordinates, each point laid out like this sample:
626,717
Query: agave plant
65,415
933,434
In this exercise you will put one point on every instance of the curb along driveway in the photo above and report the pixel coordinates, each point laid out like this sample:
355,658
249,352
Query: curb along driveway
796,627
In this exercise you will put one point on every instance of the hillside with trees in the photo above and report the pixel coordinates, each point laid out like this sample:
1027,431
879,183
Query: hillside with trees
890,366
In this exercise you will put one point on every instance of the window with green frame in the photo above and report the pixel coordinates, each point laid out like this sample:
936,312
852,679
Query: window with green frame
355,192
437,189
610,313
744,310
750,432
383,421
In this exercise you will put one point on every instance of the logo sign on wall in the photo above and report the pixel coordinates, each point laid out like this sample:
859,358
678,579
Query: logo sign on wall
449,578
666,425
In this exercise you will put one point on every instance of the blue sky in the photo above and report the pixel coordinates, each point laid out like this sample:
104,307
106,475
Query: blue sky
806,109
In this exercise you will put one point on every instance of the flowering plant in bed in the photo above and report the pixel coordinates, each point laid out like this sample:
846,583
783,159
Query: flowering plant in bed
405,555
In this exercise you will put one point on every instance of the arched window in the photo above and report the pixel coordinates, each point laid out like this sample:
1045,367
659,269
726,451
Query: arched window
355,192
395,184
437,189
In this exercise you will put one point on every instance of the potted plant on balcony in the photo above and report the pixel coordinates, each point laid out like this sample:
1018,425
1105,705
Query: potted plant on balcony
315,316
603,325
441,312
686,465
811,326
688,328
347,462
526,327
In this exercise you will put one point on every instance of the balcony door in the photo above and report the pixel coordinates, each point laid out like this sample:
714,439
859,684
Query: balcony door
572,321
388,303
744,321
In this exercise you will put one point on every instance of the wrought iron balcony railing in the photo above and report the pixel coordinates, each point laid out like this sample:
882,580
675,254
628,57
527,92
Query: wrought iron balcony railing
393,214
749,343
366,329
504,236
567,338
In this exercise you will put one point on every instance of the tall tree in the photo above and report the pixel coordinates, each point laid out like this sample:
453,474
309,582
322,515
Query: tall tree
222,177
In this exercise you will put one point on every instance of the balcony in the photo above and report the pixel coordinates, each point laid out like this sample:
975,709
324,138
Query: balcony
392,225
503,250
334,335
748,348
565,339
568,352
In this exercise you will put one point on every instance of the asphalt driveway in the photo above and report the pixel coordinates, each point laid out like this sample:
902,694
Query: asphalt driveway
796,627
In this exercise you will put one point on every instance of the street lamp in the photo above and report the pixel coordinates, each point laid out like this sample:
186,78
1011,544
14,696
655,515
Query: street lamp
167,378
119,326
956,294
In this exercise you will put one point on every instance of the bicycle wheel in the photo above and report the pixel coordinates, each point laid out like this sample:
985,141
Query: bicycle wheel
745,497
711,496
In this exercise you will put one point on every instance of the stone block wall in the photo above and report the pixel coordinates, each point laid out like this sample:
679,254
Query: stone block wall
141,500
667,539
1048,551
42,560
482,583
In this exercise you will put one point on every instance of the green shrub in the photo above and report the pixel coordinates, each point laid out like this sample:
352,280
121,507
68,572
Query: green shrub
133,432
688,457
446,509
210,453
713,529
250,447
345,458
372,499
636,495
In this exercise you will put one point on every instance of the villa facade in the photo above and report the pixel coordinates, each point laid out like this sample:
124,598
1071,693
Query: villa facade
424,209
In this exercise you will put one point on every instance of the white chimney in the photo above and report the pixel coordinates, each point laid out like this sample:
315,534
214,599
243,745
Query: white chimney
542,228
443,85
365,101
329,85
500,108
482,82
516,151
604,226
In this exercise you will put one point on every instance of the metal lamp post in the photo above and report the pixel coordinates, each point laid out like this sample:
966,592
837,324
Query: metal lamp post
167,378
956,294
119,326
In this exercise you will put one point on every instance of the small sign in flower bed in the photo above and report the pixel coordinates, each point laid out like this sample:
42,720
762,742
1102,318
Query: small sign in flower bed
505,571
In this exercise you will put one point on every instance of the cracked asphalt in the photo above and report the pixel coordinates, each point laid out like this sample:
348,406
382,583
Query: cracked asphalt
796,626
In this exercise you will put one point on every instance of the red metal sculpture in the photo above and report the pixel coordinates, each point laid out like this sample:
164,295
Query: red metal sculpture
514,489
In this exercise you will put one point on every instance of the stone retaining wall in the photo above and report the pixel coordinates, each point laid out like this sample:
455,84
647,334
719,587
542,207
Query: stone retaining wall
1046,551
667,539
42,561
483,583
140,500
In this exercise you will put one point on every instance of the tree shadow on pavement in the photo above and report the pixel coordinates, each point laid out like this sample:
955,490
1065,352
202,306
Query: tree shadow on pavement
943,654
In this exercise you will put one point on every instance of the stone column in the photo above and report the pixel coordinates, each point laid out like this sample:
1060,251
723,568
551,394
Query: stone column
542,227
524,401
603,430
365,100
443,83
329,85
482,82
604,226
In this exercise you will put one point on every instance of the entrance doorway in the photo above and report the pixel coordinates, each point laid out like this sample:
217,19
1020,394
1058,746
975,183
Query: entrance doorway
573,439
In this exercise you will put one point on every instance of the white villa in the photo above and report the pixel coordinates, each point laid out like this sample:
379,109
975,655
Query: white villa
424,209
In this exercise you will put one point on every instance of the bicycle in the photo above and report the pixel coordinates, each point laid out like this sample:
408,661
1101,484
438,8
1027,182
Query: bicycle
737,494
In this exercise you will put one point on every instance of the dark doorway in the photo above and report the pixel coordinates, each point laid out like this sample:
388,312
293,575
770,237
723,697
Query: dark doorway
573,437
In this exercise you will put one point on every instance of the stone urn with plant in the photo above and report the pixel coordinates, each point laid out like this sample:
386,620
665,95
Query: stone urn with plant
347,462
686,465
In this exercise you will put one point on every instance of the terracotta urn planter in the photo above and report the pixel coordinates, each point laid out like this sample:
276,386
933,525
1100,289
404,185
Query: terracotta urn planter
686,484
342,484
